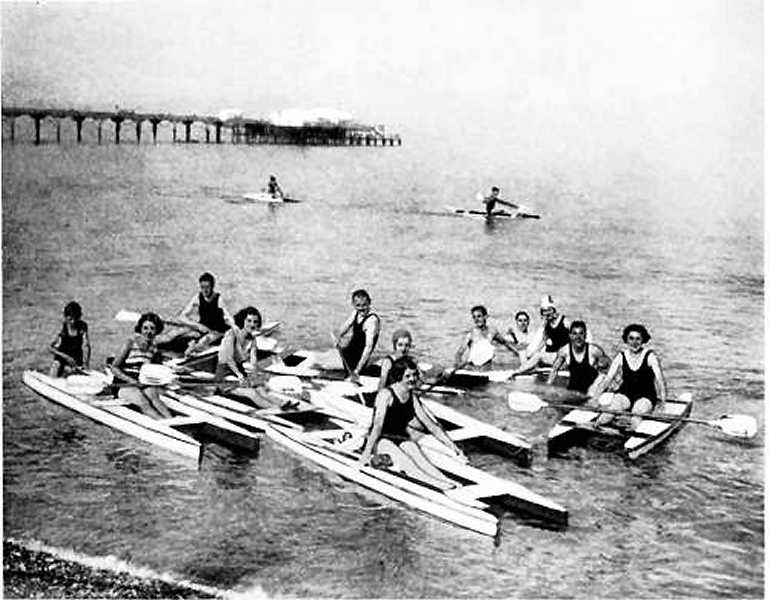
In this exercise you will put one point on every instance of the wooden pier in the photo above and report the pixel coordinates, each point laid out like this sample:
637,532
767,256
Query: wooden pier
241,130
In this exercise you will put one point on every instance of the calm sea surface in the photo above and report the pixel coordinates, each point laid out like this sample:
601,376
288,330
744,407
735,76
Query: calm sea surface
677,247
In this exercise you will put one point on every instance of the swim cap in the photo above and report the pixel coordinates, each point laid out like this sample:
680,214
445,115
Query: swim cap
546,302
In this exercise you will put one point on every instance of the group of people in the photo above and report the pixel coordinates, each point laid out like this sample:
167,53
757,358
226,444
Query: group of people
399,419
634,375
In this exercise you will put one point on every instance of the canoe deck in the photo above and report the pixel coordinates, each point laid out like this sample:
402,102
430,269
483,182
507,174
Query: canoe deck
328,430
182,433
579,426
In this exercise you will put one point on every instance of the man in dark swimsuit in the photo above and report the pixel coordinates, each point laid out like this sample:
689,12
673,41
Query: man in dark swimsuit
206,317
365,326
492,199
583,360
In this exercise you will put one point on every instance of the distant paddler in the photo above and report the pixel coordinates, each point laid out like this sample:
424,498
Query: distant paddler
239,346
493,199
477,346
206,317
138,350
584,360
364,325
399,421
643,386
273,188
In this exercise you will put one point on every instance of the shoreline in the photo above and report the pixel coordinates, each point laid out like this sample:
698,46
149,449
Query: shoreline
33,573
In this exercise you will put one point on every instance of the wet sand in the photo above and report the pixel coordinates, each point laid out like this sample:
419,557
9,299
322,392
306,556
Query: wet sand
34,574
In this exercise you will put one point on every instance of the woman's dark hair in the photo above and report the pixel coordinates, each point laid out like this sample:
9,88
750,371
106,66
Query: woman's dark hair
481,308
401,333
207,277
240,316
361,293
153,318
73,309
400,366
522,313
645,337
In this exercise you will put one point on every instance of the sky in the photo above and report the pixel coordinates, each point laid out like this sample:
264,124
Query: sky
582,69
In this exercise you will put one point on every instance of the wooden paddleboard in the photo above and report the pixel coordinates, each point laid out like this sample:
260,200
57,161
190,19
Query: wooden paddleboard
497,214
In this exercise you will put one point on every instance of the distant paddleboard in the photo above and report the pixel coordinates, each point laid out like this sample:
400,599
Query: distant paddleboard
497,214
268,198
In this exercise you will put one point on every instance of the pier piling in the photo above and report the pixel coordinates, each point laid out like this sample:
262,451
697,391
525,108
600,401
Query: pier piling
243,130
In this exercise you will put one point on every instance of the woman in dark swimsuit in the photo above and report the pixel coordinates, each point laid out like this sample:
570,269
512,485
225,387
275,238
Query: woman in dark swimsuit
643,385
399,422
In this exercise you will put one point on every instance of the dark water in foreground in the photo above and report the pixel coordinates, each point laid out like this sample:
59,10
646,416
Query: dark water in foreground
132,227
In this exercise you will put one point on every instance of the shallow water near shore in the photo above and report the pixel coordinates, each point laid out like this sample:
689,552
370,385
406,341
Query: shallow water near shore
677,247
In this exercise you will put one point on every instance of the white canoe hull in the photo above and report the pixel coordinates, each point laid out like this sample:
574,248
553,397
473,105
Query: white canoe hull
167,433
578,425
335,446
115,415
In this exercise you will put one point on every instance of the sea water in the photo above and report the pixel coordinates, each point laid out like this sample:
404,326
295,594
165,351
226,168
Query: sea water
674,245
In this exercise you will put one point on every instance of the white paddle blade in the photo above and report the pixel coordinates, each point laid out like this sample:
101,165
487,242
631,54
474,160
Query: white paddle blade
285,383
481,352
266,344
152,374
89,384
424,366
479,196
524,401
742,426
127,316
499,376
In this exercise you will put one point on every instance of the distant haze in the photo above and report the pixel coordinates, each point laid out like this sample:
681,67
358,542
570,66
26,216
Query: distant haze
552,77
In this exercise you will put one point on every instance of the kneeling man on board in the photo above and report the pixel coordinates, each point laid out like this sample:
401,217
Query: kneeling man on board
365,326
493,198
582,359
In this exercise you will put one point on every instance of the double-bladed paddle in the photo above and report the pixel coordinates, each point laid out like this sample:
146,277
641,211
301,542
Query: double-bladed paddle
741,426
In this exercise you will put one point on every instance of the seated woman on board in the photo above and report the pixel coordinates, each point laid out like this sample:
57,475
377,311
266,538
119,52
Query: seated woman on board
643,385
399,421
136,351
239,345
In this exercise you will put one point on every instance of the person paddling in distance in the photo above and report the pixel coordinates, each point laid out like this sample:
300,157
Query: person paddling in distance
71,348
135,352
399,421
477,347
365,326
239,345
643,385
549,338
493,199
584,361
273,189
